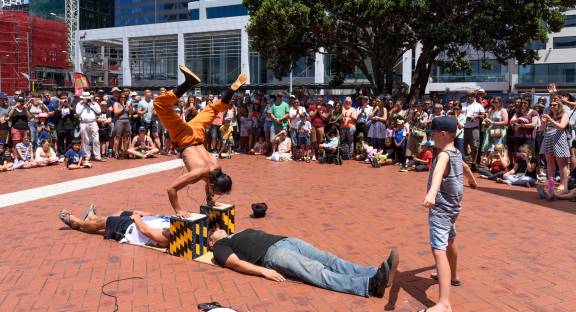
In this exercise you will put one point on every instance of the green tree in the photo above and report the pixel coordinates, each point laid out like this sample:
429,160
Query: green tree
363,34
449,30
372,35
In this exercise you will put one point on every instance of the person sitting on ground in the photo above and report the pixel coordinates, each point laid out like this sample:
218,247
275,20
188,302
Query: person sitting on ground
361,147
142,145
5,163
260,148
24,155
498,163
524,171
75,158
283,146
132,227
226,133
423,161
258,253
45,155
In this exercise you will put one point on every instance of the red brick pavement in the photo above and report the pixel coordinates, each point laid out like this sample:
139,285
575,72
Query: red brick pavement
516,252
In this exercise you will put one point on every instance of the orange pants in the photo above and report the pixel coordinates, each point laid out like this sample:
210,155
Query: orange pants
186,133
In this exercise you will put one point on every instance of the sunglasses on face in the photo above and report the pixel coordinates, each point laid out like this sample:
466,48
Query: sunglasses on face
553,105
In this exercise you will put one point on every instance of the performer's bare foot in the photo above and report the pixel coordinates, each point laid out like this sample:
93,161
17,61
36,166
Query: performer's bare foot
191,78
242,79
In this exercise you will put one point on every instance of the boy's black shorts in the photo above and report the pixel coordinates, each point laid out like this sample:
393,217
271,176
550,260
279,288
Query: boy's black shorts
116,226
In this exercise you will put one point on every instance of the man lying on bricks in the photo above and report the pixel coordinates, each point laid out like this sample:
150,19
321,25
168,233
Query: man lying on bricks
258,253
133,227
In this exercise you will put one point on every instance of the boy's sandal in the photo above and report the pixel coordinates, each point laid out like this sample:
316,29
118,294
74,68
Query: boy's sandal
64,216
456,283
87,213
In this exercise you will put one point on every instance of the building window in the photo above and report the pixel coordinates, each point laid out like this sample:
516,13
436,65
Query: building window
154,58
536,45
214,56
194,15
226,11
564,42
496,73
570,21
564,73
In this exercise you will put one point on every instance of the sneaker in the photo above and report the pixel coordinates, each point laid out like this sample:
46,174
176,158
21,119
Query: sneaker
314,158
403,169
99,159
483,176
190,77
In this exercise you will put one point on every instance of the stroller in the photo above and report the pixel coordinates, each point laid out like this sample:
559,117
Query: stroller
331,154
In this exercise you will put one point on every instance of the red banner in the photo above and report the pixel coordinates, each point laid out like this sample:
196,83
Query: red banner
80,83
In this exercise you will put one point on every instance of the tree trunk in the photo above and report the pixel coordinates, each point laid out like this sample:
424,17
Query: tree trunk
422,71
389,81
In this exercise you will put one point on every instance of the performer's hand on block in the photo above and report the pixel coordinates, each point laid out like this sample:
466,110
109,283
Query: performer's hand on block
183,214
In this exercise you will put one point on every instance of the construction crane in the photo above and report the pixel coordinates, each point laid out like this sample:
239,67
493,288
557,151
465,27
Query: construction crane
71,19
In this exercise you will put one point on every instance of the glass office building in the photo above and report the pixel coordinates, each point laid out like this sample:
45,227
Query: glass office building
545,73
96,14
154,58
140,12
214,56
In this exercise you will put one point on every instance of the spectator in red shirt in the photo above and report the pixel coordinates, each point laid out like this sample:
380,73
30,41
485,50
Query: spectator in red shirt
423,161
318,114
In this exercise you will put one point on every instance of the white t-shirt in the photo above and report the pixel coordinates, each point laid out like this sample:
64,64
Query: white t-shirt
294,119
135,237
471,110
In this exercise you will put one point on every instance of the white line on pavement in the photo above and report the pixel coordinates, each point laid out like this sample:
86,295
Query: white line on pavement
84,183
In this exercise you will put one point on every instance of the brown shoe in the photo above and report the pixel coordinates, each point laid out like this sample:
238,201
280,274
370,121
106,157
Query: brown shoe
191,78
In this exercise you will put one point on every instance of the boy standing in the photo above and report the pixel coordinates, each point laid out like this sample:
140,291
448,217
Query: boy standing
445,190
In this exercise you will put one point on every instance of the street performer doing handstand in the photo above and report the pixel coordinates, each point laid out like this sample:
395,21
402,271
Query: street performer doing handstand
189,138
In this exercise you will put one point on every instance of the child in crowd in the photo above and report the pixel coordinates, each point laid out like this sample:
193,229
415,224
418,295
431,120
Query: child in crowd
43,129
260,148
245,128
24,154
75,158
386,156
142,145
304,129
423,161
524,171
332,141
226,133
443,199
359,147
497,163
400,142
255,130
45,155
5,164
283,146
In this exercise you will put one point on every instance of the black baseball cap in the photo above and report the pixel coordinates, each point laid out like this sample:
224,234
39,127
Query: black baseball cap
444,123
142,129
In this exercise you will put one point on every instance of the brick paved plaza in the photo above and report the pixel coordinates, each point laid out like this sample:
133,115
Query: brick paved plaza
517,253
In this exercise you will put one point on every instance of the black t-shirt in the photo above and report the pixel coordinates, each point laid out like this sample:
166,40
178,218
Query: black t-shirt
20,120
249,245
104,115
523,167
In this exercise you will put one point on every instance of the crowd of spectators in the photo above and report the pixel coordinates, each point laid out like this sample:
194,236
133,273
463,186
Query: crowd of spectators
517,142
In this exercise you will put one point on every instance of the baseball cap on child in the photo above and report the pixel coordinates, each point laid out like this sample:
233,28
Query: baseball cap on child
444,123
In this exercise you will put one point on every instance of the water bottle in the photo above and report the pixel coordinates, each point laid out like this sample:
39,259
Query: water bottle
109,153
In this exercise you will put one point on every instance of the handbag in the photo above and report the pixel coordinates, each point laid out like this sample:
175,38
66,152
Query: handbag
418,133
495,133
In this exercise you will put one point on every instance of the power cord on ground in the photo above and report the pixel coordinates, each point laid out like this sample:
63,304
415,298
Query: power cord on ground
116,281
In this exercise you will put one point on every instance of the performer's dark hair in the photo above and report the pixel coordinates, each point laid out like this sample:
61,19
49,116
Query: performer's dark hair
222,182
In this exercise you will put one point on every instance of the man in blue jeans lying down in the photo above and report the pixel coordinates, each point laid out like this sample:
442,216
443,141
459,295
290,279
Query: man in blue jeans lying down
258,253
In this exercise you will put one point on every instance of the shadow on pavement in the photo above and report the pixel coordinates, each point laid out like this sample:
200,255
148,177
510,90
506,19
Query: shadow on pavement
415,286
530,195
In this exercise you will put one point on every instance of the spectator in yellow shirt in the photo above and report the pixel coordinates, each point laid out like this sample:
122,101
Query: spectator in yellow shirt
227,138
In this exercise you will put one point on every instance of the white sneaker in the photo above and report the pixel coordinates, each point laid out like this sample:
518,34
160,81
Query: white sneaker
314,158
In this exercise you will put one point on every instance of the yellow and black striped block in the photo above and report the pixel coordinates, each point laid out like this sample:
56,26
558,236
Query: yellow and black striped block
189,237
221,216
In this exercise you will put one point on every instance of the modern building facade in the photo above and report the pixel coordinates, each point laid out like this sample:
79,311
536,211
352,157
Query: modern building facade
151,37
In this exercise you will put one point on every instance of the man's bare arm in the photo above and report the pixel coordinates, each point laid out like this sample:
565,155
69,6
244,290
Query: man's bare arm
191,177
234,263
153,234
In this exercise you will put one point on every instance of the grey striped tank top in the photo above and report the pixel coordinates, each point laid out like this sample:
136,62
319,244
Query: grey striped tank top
451,190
